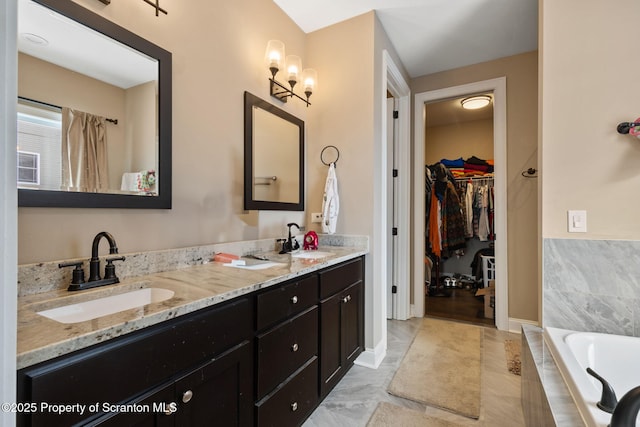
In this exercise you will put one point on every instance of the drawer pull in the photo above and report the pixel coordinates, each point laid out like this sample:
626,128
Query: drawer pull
294,347
346,299
186,396
294,406
294,299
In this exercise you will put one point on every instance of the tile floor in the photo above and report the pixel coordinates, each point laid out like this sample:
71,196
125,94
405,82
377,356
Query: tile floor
355,398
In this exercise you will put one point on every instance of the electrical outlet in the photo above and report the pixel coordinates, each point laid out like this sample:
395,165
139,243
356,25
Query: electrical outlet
316,217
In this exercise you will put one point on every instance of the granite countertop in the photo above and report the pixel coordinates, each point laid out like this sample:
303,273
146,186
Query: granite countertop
194,287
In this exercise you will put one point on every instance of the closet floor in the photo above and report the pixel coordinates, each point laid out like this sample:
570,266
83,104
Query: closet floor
462,305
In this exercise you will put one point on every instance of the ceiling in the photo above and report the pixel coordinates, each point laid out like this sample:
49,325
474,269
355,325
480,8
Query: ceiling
434,35
54,38
450,111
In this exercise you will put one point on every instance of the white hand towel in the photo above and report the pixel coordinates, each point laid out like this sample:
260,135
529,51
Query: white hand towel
330,202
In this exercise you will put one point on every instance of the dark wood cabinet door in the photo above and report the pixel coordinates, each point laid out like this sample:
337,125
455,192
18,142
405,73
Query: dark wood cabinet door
218,393
341,335
330,343
352,322
153,409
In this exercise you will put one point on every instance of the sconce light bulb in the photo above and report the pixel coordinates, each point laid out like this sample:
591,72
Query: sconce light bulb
310,79
294,66
274,56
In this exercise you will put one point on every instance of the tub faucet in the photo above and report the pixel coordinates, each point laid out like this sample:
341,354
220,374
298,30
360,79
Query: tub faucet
627,409
608,400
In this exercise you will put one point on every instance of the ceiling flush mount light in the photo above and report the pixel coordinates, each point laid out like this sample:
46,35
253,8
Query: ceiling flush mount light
475,102
35,39
291,66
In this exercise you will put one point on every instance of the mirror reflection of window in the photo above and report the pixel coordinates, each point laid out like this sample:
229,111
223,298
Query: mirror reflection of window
276,158
39,152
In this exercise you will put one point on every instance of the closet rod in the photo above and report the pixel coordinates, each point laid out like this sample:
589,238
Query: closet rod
472,178
57,107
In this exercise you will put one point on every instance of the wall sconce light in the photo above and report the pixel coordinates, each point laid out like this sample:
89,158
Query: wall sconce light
475,102
292,67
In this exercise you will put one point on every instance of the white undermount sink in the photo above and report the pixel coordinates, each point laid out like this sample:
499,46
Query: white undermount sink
311,254
88,310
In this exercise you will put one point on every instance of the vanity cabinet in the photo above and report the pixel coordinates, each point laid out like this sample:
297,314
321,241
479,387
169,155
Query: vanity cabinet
265,359
287,352
202,350
342,321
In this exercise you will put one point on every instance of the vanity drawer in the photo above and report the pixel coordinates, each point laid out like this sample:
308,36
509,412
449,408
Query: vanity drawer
286,300
282,350
335,279
291,404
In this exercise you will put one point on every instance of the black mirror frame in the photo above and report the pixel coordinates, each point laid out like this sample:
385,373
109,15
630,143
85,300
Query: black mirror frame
249,204
46,198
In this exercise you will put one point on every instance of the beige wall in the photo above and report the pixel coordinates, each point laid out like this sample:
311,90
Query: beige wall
474,138
217,54
140,124
589,75
521,74
342,115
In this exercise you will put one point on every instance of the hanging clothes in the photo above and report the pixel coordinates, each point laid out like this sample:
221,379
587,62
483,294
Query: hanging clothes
433,232
330,202
453,224
483,222
469,208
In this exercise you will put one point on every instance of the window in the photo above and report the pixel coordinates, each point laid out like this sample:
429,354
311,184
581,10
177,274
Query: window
28,168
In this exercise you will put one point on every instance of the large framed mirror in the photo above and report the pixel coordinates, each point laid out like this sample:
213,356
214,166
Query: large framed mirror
273,157
94,111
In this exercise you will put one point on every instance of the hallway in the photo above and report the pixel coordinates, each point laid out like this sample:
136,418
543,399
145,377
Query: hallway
355,398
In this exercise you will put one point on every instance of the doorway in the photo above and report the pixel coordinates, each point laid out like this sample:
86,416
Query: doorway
498,88
459,200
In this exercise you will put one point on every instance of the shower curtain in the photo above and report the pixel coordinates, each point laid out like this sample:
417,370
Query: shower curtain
84,152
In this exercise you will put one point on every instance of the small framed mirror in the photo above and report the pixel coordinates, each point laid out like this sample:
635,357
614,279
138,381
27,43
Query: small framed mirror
94,111
273,157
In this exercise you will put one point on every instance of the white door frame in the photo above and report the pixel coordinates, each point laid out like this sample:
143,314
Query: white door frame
8,207
398,87
499,88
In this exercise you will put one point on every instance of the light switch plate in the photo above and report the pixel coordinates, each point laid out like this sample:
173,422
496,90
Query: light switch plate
577,221
316,217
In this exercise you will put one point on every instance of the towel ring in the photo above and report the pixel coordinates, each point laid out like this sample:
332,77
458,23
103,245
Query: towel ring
335,162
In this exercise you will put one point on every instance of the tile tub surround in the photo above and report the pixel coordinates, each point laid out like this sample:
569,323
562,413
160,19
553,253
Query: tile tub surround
546,400
196,286
592,285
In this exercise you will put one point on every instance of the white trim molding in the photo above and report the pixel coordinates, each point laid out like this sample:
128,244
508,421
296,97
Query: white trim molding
372,357
499,88
8,206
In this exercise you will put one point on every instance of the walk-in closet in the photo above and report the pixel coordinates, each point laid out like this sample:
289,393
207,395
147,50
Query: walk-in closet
459,211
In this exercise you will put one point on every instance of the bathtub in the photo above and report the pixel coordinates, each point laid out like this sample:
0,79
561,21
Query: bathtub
616,358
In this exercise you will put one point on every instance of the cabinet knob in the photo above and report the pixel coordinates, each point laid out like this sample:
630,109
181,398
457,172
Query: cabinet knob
294,406
294,299
186,396
294,347
346,299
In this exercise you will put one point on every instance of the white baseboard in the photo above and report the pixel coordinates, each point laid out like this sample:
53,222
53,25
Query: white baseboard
372,357
515,325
